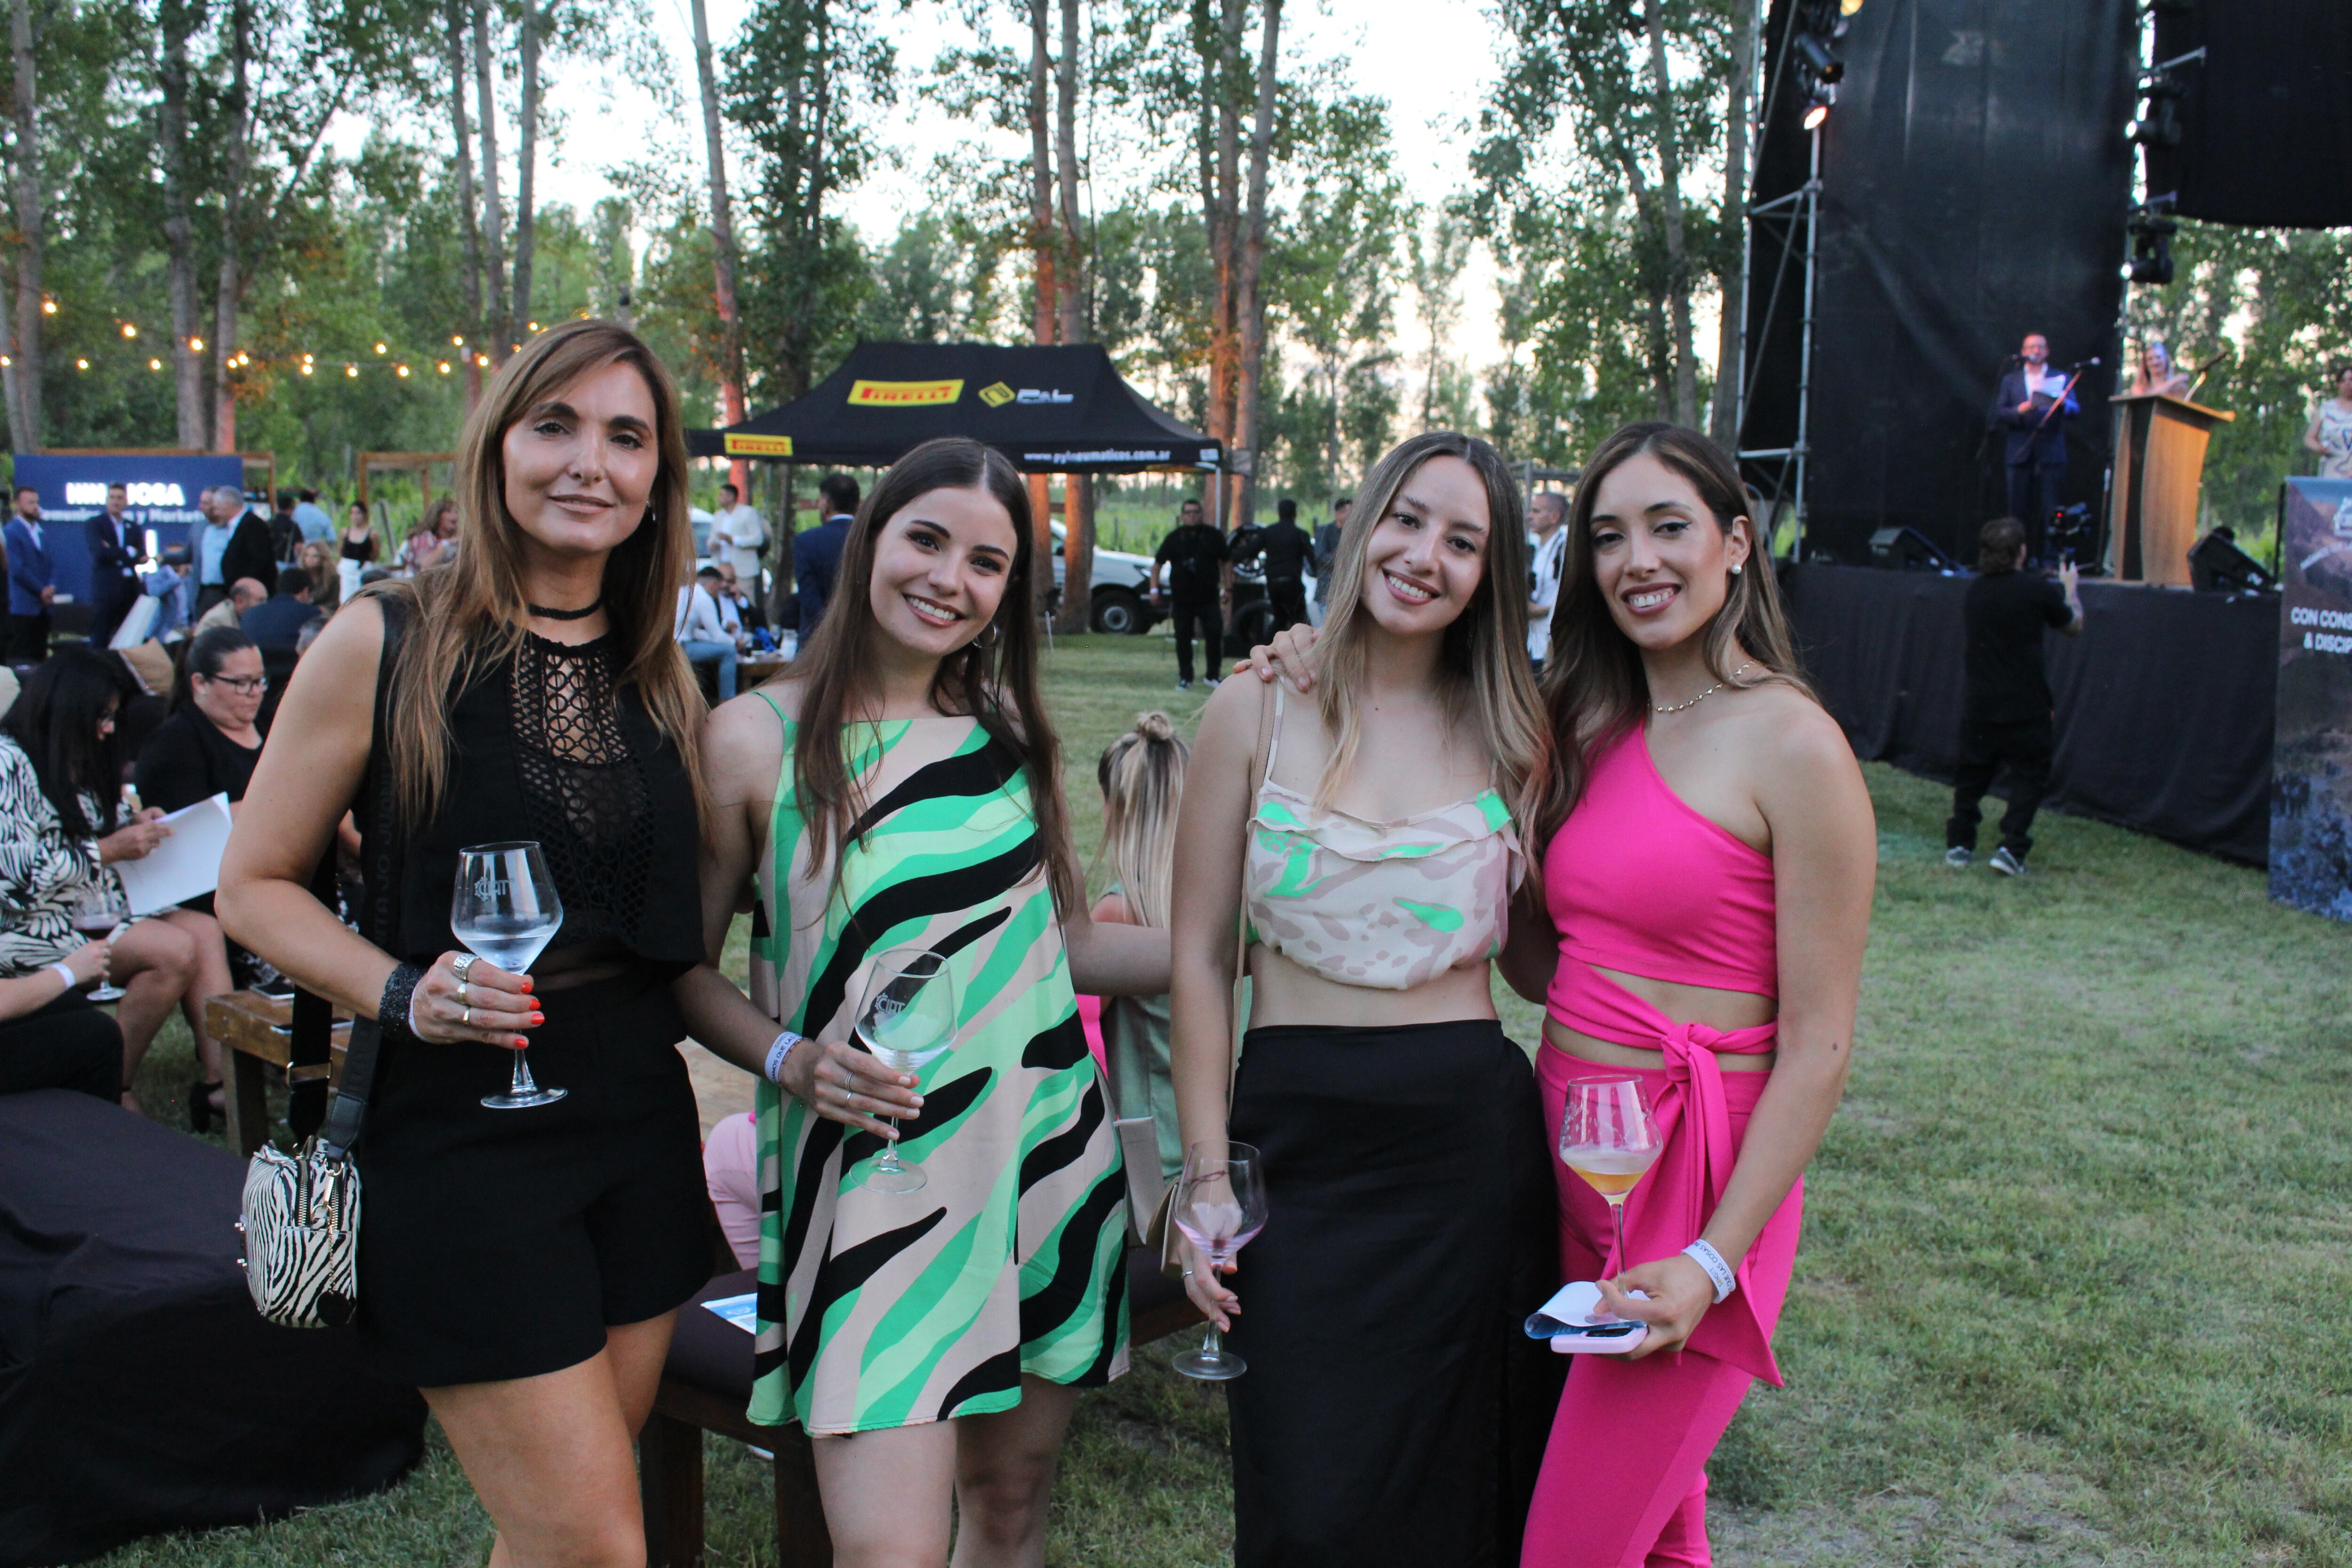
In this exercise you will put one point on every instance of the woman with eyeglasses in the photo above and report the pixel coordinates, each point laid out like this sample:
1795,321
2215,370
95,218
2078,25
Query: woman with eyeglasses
61,825
212,740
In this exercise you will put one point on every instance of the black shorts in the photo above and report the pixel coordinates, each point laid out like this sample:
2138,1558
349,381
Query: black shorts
501,1243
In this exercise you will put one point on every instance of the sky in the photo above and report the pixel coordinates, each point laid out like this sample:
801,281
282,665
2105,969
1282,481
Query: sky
1431,59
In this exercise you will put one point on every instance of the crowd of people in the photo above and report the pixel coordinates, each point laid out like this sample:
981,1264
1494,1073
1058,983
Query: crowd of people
897,786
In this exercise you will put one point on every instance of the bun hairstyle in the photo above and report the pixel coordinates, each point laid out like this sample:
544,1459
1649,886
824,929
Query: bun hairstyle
1142,779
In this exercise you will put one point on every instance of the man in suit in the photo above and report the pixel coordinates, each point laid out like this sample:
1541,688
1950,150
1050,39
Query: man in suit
116,549
250,553
2031,408
285,531
816,553
276,627
32,581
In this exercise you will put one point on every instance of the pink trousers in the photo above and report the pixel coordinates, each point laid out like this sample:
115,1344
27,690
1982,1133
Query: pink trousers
1624,1483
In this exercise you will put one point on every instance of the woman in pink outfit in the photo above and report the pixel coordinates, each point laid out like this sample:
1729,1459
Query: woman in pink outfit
1705,898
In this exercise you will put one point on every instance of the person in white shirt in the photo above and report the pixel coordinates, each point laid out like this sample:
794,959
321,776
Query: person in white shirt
709,629
1545,515
738,535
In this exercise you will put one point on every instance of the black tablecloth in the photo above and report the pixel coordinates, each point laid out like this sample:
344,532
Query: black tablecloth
138,1389
2165,700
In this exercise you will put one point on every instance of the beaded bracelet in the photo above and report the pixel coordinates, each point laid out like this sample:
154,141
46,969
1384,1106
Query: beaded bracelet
395,1011
1704,1255
775,1070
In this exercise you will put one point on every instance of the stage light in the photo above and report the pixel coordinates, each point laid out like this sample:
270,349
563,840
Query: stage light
1824,65
130,330
1817,108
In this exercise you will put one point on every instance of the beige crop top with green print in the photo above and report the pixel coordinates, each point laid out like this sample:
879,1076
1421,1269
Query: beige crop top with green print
1389,905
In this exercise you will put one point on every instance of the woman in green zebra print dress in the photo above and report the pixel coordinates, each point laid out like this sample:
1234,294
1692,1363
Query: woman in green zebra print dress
900,789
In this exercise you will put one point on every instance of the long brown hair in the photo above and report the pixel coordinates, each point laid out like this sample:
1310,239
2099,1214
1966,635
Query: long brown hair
993,677
1484,654
1594,684
471,612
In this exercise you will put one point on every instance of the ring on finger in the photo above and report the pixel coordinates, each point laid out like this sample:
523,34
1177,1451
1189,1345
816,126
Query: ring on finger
465,1016
461,993
460,965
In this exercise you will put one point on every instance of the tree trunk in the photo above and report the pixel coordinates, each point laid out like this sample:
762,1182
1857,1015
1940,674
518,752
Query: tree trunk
468,220
806,224
232,176
519,315
1251,305
25,364
1078,489
1225,241
1041,182
177,20
1670,201
494,325
1722,423
723,250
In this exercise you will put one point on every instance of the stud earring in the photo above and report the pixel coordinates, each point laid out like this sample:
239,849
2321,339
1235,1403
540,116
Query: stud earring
1735,570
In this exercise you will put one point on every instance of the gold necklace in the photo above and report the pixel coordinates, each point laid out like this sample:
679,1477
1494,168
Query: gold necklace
1702,695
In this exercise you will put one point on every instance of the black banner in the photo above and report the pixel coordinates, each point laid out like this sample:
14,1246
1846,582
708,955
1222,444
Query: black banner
2264,117
1976,180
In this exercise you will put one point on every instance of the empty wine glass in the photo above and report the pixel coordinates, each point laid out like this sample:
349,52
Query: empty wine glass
907,1019
96,912
506,911
1219,1206
1607,1136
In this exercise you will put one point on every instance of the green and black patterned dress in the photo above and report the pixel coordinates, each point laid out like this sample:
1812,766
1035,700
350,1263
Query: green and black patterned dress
880,1309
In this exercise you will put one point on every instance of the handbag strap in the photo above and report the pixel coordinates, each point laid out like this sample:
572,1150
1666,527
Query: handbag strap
379,914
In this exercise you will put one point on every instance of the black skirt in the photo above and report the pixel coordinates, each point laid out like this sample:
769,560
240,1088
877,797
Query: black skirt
1393,1412
501,1243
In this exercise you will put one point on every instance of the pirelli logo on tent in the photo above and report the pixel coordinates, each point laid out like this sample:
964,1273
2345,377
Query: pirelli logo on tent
758,445
903,394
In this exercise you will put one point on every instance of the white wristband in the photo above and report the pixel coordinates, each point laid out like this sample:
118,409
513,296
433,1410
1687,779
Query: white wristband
66,975
1704,1254
773,1071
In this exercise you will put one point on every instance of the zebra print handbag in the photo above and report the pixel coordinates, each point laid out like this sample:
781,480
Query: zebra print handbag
301,1211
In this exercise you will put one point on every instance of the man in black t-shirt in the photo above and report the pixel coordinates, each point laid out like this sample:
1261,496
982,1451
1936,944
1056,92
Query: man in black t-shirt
1284,548
1193,557
2006,715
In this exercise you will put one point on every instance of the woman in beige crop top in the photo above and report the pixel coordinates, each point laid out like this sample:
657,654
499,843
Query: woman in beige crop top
1370,844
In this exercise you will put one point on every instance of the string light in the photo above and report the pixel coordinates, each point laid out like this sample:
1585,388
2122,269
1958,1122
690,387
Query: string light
130,329
533,325
402,370
306,367
351,370
81,365
48,307
457,339
155,364
445,367
5,361
379,348
483,361
195,345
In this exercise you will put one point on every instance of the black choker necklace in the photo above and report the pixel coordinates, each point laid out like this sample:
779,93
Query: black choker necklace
579,614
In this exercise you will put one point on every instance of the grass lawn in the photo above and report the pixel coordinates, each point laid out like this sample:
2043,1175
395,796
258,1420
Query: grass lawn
2074,1286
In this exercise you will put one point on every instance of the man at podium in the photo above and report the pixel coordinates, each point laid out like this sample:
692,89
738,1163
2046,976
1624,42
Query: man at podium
2031,408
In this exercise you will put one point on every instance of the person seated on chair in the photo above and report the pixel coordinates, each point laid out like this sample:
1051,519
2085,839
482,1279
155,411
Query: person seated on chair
244,594
51,1038
709,629
60,828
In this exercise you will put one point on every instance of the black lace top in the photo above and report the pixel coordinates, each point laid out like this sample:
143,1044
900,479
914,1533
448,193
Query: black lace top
545,747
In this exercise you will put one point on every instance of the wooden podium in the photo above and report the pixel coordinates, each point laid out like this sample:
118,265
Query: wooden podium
2152,508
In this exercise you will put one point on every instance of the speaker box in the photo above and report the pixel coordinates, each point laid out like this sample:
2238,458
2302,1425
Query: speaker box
1908,550
2216,565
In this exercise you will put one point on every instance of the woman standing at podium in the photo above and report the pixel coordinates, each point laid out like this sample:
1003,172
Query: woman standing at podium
2330,434
2156,373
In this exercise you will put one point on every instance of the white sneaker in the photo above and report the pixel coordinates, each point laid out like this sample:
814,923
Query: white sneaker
1957,858
1213,683
1183,686
2007,864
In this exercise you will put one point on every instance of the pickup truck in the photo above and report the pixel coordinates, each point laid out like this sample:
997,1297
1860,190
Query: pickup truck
1122,589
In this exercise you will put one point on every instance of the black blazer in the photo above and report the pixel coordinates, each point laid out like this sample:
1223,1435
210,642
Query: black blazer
250,554
2025,445
114,567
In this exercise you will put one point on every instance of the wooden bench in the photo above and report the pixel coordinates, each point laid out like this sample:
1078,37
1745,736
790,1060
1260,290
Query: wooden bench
257,1032
707,1385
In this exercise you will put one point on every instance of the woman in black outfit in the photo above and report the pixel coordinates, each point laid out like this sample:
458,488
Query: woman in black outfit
210,743
522,1267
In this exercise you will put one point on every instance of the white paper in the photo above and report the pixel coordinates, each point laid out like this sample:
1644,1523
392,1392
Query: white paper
738,1311
183,867
1578,1301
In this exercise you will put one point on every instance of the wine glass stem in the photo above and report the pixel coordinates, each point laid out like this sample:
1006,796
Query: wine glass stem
522,1083
889,1161
1617,1223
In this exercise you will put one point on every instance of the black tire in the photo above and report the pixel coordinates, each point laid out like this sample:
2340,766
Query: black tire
1252,626
1119,612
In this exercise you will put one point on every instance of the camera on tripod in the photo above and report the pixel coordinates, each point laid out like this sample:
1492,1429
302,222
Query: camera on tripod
2072,535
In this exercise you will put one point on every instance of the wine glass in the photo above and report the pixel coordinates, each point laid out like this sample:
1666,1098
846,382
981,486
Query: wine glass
908,1018
95,914
505,909
1219,1206
1607,1136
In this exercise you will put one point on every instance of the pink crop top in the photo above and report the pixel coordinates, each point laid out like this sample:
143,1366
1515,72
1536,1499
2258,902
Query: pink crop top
1639,882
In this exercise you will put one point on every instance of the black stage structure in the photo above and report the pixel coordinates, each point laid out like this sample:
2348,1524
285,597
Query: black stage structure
1972,183
2165,703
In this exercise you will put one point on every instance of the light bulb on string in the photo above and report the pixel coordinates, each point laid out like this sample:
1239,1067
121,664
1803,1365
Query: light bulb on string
306,367
379,348
483,361
155,364
457,340
195,345
48,307
352,371
532,325
130,329
402,370
445,367
81,365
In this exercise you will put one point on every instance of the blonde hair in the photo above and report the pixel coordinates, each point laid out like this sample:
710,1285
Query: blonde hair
1484,664
1142,779
471,612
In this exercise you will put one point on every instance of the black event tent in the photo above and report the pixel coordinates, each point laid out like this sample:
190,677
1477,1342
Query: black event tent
1054,409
